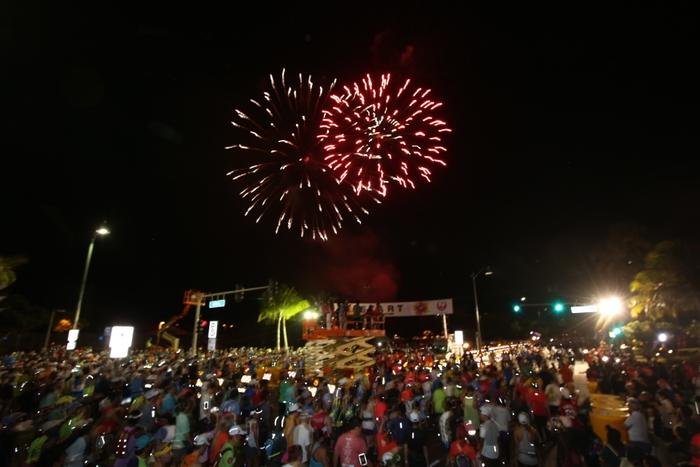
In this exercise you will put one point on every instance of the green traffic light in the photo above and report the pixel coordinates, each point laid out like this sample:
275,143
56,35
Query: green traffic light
516,307
558,307
617,331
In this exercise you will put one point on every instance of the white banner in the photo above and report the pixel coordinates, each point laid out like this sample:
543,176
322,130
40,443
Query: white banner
422,308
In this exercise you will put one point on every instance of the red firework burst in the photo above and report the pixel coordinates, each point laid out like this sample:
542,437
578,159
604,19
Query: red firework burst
376,134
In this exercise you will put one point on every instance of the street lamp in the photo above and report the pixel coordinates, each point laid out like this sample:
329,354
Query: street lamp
48,331
101,231
610,306
487,272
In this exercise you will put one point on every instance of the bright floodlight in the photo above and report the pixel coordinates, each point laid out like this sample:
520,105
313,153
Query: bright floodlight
310,315
610,306
662,337
102,231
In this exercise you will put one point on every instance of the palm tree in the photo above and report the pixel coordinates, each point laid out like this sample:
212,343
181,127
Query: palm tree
285,304
662,289
7,266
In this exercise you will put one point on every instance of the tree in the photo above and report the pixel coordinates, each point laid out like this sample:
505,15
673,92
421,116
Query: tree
663,289
284,305
7,266
21,316
621,255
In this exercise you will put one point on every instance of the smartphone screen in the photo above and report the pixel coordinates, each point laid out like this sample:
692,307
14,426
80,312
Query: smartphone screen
363,459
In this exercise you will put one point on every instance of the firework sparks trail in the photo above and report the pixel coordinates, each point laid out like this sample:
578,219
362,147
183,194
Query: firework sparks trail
378,133
293,181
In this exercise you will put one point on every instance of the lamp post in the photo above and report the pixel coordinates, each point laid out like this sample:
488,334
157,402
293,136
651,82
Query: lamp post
487,272
48,331
101,231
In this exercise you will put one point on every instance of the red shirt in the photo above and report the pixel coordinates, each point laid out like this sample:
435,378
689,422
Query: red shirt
350,446
566,374
461,446
380,410
539,403
318,421
569,409
695,441
384,445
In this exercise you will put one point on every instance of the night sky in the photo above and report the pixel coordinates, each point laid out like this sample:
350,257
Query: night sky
564,122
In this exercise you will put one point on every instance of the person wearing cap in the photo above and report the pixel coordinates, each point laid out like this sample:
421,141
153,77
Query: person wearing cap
231,454
143,449
201,444
148,410
488,438
415,448
526,443
164,455
637,431
290,422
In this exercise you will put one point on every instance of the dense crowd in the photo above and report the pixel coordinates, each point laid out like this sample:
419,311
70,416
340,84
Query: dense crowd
257,407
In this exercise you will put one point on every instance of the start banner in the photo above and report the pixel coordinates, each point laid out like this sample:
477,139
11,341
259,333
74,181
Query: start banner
421,308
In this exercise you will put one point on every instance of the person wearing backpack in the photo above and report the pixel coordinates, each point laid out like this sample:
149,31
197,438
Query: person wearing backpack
231,454
126,440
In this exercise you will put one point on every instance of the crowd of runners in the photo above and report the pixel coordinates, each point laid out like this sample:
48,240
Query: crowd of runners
516,406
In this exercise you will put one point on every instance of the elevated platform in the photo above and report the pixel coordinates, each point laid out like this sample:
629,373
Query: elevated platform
311,333
354,353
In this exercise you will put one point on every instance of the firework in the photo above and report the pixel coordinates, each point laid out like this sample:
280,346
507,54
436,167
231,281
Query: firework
292,179
377,134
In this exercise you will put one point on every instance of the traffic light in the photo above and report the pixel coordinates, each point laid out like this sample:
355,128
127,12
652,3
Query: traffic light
201,325
516,308
558,307
239,295
273,287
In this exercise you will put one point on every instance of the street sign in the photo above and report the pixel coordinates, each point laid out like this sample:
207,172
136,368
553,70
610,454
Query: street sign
213,328
211,344
108,331
217,303
73,336
584,309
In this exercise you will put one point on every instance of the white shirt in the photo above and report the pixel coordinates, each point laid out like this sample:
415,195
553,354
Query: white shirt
489,431
302,437
445,427
502,417
636,425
